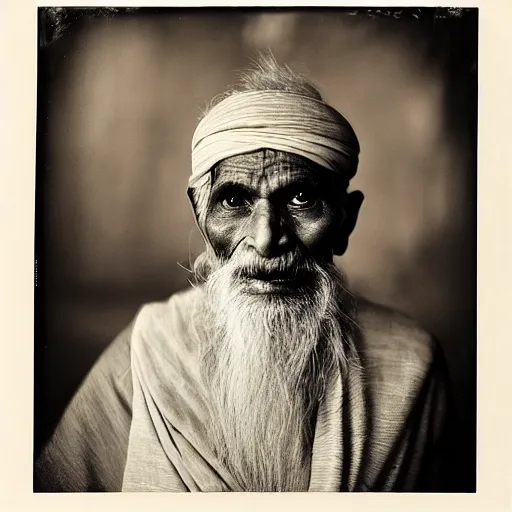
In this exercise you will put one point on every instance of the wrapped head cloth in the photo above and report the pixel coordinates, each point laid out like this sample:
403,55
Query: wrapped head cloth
279,120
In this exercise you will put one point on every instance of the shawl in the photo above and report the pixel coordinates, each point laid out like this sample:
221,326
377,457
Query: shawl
377,429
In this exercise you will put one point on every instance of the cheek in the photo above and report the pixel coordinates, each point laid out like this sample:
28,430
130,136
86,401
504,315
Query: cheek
315,232
224,233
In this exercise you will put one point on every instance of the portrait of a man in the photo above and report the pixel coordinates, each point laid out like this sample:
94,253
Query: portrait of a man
267,372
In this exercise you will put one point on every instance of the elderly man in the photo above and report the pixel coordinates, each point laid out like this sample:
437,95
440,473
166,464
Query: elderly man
268,375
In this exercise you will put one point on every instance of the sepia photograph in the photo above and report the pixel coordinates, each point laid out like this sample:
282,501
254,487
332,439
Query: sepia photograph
256,250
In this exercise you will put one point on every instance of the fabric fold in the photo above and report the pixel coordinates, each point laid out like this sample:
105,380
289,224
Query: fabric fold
279,120
364,433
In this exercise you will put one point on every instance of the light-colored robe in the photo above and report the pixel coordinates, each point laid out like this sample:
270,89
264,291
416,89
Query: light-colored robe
139,421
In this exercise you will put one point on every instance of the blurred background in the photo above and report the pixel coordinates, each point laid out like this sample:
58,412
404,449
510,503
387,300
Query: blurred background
119,95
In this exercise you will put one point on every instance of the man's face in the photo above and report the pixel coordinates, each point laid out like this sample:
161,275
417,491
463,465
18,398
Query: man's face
274,206
276,317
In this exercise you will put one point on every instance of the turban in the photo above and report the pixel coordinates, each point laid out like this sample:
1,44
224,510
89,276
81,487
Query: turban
279,120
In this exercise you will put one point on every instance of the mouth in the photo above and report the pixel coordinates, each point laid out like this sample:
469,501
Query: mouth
275,281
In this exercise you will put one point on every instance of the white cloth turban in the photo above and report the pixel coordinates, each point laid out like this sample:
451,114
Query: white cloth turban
279,120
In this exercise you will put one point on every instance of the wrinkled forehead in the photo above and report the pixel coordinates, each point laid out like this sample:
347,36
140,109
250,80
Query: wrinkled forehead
269,169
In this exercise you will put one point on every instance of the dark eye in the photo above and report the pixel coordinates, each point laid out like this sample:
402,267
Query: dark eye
302,200
233,201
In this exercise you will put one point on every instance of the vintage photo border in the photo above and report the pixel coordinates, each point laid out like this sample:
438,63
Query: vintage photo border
17,182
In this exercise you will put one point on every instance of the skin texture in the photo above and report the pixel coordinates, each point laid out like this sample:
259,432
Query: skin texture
275,202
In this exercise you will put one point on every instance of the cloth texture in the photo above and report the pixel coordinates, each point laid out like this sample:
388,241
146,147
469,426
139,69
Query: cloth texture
139,422
279,120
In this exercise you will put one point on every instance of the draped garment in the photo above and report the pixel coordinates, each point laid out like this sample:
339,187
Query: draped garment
139,421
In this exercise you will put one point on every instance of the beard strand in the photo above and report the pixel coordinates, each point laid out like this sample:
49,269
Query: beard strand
265,361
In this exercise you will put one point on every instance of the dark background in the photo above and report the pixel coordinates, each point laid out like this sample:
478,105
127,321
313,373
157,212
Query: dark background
119,94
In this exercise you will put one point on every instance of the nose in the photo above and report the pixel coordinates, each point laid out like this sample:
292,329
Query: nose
267,234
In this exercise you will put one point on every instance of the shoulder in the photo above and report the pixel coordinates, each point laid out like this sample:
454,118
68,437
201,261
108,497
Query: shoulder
87,450
170,314
407,393
177,308
397,352
113,365
165,325
389,333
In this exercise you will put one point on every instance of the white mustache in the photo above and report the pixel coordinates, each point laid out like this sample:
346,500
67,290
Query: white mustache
249,264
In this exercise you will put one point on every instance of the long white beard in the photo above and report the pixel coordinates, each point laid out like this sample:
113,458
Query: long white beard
265,360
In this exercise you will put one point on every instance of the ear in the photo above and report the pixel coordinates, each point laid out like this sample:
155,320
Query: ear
193,202
193,197
353,202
